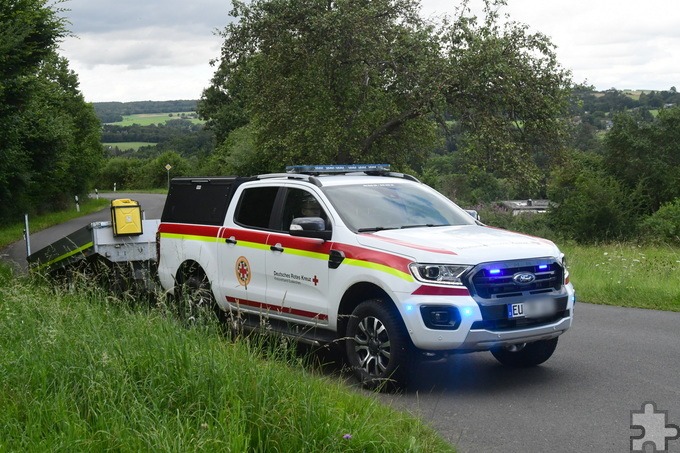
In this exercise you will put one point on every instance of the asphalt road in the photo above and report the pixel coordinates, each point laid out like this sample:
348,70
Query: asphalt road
608,364
611,362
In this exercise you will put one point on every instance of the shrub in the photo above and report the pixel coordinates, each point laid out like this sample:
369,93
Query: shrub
664,224
590,205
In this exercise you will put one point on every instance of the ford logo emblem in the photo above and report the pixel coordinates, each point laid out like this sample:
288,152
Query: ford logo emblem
523,278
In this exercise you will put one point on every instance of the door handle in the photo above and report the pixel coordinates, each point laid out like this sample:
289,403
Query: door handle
231,240
276,248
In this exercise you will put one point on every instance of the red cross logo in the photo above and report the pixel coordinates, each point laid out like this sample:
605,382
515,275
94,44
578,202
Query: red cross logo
315,280
242,271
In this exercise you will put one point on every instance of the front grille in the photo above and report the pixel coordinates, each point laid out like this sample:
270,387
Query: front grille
497,280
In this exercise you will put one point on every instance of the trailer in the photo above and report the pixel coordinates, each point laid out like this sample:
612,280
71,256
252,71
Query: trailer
121,251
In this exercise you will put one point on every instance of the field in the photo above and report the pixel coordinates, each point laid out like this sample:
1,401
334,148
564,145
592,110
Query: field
148,119
626,275
128,146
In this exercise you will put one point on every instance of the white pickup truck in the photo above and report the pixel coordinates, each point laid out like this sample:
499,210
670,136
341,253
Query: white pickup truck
370,259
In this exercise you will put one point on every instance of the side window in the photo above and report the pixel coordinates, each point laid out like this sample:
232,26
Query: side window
300,203
255,207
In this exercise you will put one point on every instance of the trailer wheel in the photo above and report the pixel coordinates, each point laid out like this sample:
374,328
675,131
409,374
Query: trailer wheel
194,302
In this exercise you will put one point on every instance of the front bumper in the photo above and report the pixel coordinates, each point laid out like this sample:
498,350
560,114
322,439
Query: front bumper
482,339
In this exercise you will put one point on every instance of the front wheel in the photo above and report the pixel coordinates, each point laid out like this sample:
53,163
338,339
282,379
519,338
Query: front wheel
527,355
377,345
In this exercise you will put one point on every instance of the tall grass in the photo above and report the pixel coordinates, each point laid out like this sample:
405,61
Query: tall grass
626,275
80,371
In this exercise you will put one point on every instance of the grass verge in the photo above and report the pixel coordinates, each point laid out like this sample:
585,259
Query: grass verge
626,275
15,231
85,372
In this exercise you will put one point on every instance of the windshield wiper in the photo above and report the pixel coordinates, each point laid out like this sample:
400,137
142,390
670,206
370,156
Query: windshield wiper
424,225
374,229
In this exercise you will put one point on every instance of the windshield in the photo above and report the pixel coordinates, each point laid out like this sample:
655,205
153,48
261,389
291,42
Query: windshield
375,207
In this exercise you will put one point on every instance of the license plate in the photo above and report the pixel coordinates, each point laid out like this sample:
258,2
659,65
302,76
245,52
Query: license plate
538,308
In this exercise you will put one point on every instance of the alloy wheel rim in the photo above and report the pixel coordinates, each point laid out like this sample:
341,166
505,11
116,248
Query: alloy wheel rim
372,346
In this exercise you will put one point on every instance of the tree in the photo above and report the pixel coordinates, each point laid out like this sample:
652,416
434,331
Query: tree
590,204
348,80
645,157
508,91
49,137
28,33
328,81
62,138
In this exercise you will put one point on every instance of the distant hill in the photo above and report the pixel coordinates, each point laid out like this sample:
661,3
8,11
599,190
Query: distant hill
113,112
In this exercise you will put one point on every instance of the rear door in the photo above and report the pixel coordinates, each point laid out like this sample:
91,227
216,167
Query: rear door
243,249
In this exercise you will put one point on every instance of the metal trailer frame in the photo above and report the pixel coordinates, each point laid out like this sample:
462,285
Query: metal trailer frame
131,256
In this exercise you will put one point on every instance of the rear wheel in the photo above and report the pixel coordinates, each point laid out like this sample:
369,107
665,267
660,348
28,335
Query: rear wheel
377,345
527,355
194,302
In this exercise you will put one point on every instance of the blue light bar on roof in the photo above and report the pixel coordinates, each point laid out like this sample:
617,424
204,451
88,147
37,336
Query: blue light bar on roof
338,168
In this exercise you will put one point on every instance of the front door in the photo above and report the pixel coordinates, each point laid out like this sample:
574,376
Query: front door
297,267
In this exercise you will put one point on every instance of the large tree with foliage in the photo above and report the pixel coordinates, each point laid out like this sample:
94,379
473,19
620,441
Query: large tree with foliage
645,157
508,96
348,80
49,136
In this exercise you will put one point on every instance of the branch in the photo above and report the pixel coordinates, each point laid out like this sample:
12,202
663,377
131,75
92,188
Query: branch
389,127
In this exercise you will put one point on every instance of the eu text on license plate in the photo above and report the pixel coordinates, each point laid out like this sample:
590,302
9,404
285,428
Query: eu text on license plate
516,311
534,309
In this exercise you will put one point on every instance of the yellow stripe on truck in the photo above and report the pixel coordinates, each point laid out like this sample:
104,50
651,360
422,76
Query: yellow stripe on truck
379,267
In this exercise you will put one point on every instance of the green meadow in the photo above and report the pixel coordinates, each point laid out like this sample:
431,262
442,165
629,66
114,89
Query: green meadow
147,119
128,146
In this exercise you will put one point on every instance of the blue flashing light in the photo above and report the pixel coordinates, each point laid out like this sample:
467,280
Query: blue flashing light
543,267
316,169
494,271
409,308
467,311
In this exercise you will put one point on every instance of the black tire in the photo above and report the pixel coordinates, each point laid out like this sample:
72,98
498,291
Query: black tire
531,354
194,300
377,346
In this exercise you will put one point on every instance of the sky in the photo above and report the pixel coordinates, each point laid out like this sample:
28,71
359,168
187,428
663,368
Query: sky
139,50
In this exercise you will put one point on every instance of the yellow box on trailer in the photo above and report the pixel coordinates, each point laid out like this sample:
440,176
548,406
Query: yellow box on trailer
126,217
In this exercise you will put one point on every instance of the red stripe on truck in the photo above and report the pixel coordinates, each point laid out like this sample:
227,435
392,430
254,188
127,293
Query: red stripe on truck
277,308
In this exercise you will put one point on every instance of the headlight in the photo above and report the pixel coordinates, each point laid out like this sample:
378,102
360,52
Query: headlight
446,274
564,267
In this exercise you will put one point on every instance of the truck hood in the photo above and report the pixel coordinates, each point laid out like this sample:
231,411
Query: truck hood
465,244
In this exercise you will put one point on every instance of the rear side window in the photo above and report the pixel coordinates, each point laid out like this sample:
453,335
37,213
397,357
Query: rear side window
198,201
255,207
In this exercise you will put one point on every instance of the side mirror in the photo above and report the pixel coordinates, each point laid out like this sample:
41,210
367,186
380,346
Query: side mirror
310,227
473,213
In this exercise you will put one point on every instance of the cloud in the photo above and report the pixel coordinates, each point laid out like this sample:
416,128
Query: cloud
147,47
102,16
130,50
